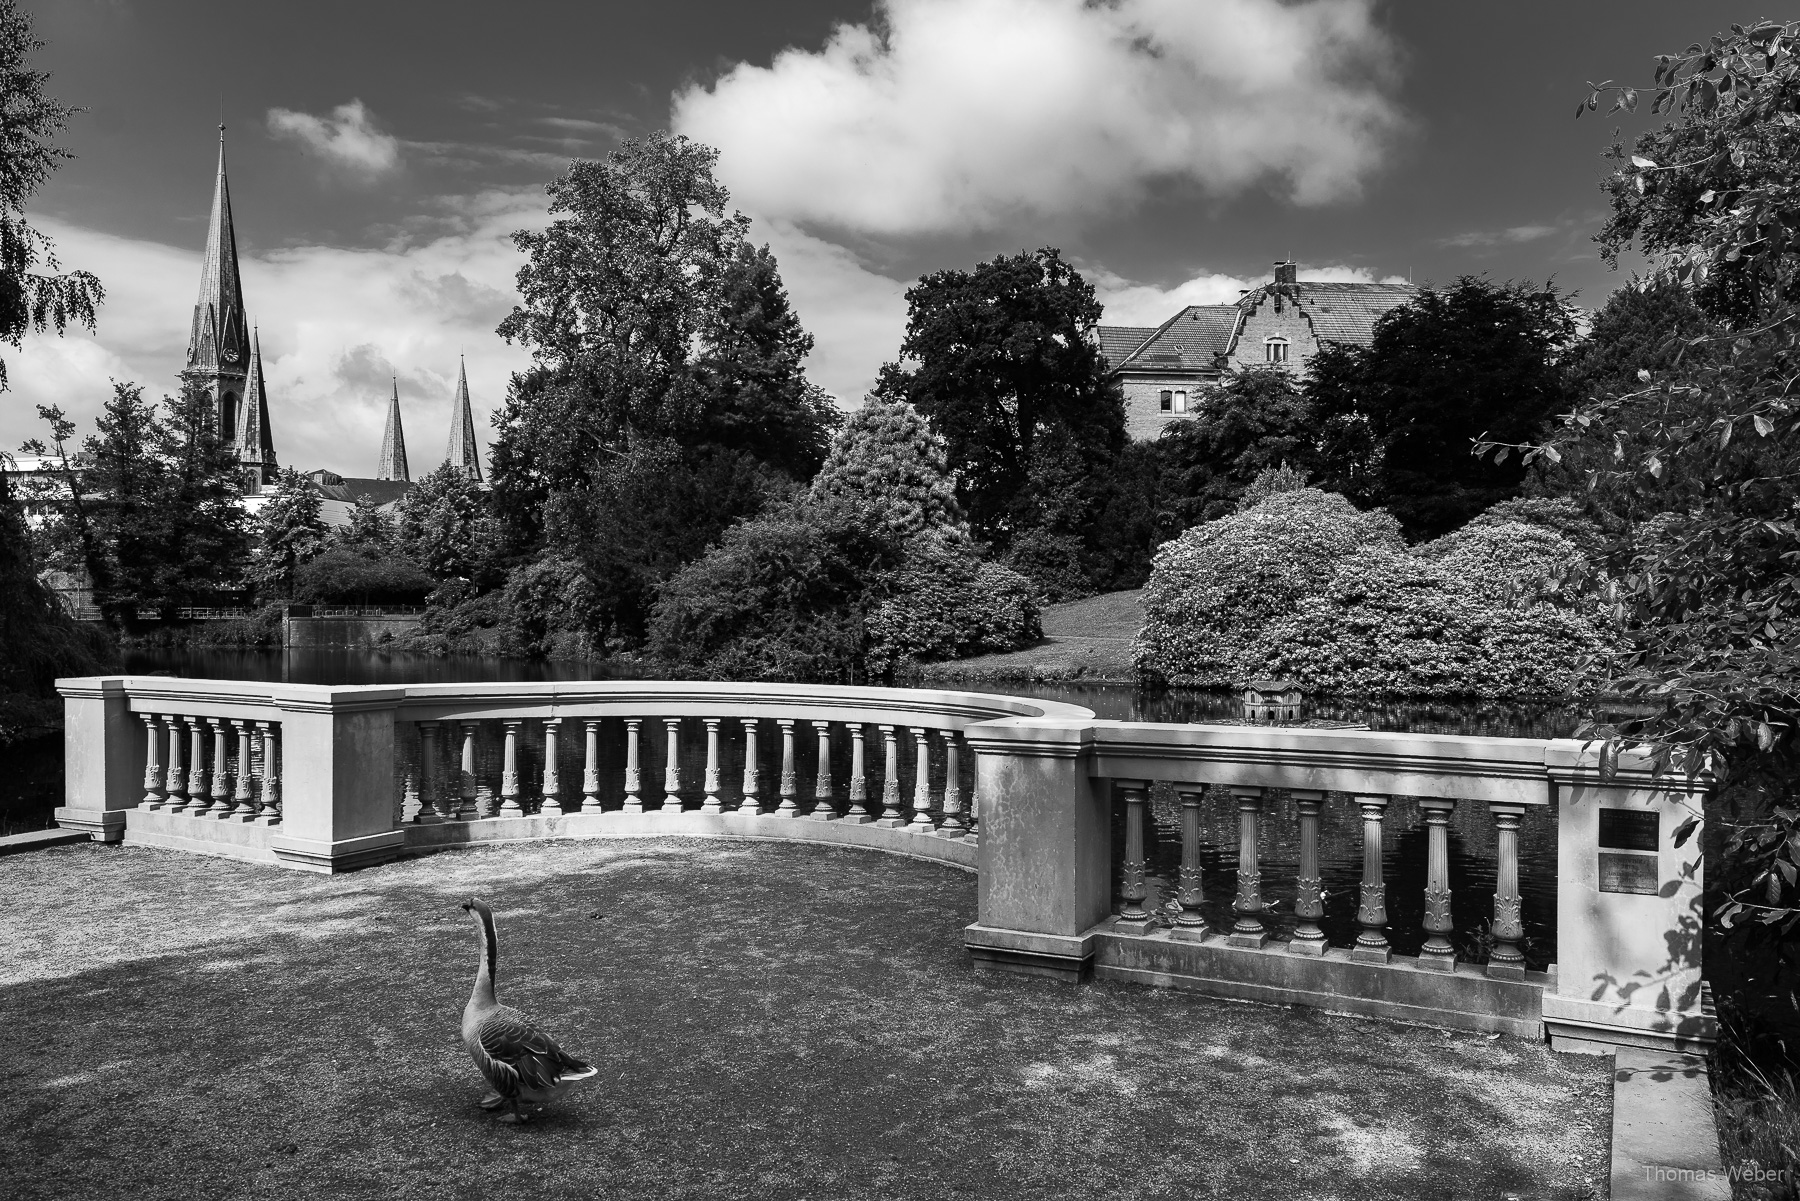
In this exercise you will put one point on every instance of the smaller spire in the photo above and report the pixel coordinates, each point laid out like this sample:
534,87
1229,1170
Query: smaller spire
393,444
256,443
463,453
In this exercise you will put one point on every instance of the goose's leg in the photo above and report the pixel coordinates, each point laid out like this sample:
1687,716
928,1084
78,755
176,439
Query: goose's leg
515,1117
493,1100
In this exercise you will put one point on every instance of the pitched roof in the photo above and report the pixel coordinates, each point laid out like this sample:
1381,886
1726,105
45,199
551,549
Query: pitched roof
463,452
1190,340
1118,341
393,444
347,488
1341,312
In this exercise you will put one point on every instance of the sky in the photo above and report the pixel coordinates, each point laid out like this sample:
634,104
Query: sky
381,154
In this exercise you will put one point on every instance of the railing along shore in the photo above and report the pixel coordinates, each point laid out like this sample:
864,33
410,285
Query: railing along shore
1024,791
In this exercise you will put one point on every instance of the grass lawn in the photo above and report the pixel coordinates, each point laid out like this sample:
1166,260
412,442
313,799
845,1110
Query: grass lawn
1086,639
769,1020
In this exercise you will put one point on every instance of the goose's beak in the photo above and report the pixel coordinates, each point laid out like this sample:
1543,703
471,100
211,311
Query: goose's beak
466,907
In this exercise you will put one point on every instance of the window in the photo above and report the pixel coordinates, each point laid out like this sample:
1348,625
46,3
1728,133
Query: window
228,417
1168,400
1275,350
1181,402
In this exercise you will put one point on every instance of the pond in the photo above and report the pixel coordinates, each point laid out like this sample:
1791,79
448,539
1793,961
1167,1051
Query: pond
36,786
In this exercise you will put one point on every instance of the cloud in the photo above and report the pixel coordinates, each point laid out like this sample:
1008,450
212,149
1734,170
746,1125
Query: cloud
347,138
1500,237
1130,303
957,115
335,324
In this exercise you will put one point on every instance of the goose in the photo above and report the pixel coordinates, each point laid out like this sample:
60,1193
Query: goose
521,1062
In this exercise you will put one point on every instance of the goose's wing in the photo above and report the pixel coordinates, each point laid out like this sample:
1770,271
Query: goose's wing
523,1054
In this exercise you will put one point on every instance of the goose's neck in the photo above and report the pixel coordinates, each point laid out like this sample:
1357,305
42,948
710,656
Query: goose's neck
484,970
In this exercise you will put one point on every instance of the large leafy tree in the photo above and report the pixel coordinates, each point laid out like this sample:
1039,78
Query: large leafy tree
1471,360
1257,420
998,356
290,532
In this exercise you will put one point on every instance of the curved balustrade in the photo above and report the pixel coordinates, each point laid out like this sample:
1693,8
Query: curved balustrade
334,778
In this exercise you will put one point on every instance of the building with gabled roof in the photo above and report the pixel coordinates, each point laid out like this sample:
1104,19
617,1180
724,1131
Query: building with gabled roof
1166,371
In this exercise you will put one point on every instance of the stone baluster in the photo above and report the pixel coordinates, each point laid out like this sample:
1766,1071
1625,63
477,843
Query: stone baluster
509,772
1190,892
1309,887
713,803
1437,953
176,786
974,834
1132,889
752,789
590,768
859,778
153,775
465,781
552,788
921,819
221,769
268,812
1505,960
198,802
790,779
243,806
954,826
634,775
671,766
1371,941
1247,930
433,805
890,780
823,810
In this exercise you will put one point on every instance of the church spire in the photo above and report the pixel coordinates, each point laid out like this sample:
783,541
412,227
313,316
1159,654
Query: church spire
393,444
217,345
255,443
463,453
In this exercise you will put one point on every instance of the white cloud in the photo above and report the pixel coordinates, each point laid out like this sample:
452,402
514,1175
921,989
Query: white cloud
1130,303
335,323
955,115
1500,237
347,138
856,316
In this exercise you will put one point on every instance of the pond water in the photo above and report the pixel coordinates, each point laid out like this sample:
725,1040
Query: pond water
36,778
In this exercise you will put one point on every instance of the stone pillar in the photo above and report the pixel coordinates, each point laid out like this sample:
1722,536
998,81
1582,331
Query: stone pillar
1506,960
1191,893
153,776
1133,917
954,826
465,776
921,820
552,806
1309,888
671,766
713,802
1247,930
434,806
1437,953
752,802
890,781
1371,942
243,806
822,807
177,779
221,768
509,772
268,812
859,780
337,768
590,767
790,780
634,775
101,776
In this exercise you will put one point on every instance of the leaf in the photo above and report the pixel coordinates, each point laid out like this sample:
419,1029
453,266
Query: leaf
1686,830
1707,196
1644,374
1500,457
1765,737
1725,437
1638,160
1655,467
1764,426
1551,453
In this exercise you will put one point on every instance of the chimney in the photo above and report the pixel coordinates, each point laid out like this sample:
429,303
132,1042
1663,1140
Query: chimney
1287,271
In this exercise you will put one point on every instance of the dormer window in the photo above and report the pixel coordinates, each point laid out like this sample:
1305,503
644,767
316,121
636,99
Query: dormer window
1168,401
1275,350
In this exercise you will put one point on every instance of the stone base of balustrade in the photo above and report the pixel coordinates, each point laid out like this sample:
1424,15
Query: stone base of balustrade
1600,1027
691,823
344,855
1054,956
102,825
200,835
1464,999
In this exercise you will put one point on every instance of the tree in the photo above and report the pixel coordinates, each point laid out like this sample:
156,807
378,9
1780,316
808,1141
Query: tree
444,525
370,531
1004,354
31,301
1256,421
290,532
887,458
1471,360
209,535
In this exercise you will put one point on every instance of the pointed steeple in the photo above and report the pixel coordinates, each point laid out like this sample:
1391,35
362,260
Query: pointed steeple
462,452
256,443
217,345
393,444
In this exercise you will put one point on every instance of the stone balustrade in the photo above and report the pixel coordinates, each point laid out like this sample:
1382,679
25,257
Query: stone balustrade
1024,791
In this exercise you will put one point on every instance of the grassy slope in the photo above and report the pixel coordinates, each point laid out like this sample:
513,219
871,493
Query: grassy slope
768,1020
1086,639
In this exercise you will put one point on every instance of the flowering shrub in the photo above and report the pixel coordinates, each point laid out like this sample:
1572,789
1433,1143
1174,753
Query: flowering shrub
1522,563
947,604
1214,588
